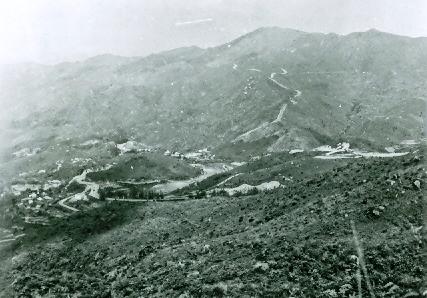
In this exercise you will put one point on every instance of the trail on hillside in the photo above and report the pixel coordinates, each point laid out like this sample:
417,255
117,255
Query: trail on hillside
11,238
91,189
280,116
281,113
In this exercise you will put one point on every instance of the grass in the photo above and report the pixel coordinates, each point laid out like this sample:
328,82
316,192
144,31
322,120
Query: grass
81,225
296,241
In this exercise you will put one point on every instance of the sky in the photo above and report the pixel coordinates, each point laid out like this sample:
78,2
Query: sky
53,31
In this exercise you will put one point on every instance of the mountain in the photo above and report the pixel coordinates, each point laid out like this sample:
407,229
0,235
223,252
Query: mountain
282,88
159,176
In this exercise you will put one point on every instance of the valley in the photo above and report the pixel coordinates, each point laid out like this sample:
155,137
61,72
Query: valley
234,227
240,170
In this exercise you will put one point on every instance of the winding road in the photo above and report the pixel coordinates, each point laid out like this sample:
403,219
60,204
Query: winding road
91,189
62,204
298,93
280,115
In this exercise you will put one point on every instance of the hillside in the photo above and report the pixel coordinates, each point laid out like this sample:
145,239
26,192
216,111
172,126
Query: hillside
288,89
263,167
294,241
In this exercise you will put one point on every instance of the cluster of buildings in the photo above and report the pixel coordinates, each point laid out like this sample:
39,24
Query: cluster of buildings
34,199
199,155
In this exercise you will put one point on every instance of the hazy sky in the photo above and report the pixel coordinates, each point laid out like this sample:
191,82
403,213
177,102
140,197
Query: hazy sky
51,31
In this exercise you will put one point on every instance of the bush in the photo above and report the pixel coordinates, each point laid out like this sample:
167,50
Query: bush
253,191
139,193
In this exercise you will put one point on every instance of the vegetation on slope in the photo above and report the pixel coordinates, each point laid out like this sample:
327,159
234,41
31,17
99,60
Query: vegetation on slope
296,241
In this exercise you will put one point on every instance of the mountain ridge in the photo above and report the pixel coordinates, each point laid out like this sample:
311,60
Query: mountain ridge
195,46
254,75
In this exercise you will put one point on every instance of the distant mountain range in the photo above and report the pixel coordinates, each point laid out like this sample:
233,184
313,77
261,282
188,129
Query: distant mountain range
282,88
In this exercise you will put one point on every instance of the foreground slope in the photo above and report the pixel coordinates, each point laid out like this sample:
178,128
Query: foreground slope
294,241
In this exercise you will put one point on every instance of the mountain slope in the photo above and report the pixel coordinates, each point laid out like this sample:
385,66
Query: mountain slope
295,241
291,88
